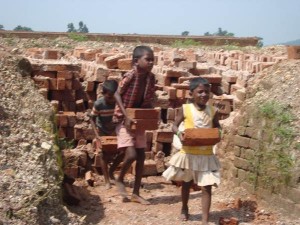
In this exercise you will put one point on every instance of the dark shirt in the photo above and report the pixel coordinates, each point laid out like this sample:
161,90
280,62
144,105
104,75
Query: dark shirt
104,113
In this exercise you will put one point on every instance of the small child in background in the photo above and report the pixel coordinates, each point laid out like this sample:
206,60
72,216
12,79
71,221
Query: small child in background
102,112
195,164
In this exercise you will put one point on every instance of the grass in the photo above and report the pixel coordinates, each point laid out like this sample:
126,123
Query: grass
78,37
185,43
272,164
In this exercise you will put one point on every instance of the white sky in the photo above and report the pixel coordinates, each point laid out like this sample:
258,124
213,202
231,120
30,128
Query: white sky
276,21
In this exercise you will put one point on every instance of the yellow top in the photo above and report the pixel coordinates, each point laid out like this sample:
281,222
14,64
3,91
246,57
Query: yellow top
196,118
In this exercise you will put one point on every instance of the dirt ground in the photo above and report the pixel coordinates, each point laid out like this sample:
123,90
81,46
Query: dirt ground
101,206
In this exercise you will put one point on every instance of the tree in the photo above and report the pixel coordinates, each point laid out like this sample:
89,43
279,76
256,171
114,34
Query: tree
82,28
220,33
185,33
1,27
21,28
71,28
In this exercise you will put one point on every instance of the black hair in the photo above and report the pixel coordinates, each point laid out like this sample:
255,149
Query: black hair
194,83
139,51
110,86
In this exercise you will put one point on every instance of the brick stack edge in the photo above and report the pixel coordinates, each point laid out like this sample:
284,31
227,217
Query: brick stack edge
73,88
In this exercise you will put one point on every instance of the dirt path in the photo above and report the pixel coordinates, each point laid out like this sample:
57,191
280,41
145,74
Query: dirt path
101,206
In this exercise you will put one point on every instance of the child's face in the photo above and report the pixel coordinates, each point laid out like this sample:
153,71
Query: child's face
109,98
145,63
200,94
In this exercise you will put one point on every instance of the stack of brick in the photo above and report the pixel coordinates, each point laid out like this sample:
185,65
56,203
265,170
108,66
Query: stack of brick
41,53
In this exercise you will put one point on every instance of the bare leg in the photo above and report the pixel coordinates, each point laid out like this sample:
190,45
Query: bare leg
130,156
185,195
139,169
206,202
117,160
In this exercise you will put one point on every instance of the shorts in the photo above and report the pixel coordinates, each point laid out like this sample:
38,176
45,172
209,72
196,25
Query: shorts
128,138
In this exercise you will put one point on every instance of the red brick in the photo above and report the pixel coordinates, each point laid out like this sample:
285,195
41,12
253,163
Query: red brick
62,120
135,113
52,84
111,62
187,65
180,86
68,75
201,136
76,85
109,144
41,82
89,86
165,137
229,78
62,132
70,133
69,84
60,67
171,114
61,84
145,124
100,57
66,95
125,64
50,54
80,105
176,73
223,106
49,74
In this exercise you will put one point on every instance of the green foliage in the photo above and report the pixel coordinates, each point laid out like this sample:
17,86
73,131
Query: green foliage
21,28
185,43
272,164
82,28
1,27
260,42
220,32
78,37
185,33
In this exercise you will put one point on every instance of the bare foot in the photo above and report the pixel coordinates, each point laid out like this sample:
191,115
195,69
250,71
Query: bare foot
107,186
121,189
139,199
184,216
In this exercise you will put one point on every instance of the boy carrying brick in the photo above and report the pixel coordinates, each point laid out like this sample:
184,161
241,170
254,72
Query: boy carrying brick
136,90
102,114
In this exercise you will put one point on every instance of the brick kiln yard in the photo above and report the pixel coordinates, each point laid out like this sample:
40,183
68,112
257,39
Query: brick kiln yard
69,78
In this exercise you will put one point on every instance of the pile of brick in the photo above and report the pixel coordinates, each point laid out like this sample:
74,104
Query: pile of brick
73,88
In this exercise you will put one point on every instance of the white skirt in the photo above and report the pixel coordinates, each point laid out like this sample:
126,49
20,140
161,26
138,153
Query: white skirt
203,169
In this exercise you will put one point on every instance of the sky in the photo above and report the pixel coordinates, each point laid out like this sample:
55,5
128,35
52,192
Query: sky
276,21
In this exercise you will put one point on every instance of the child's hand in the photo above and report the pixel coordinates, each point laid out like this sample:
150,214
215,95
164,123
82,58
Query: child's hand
180,135
128,123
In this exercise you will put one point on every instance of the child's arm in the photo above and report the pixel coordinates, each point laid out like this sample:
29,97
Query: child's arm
179,118
128,121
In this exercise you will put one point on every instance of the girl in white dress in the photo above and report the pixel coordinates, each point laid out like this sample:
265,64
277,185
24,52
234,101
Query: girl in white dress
195,164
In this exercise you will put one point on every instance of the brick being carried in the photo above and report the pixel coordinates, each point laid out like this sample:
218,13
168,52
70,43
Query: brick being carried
201,136
137,113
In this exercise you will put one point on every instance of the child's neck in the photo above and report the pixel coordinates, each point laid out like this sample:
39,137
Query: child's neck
199,107
140,71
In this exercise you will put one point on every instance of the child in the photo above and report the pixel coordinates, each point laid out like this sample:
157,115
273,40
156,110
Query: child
193,163
136,90
103,111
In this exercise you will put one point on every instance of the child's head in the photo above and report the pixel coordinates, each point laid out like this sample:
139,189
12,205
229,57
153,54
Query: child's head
199,90
143,58
109,88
